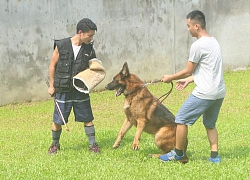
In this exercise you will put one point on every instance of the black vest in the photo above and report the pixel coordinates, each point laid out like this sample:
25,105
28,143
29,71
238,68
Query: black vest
67,67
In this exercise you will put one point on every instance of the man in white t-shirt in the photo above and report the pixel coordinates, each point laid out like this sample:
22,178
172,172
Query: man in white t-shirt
204,68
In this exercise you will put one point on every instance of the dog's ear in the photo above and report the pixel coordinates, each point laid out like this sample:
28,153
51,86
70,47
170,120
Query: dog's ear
125,70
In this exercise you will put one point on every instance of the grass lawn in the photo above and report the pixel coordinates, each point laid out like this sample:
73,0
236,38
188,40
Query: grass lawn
26,135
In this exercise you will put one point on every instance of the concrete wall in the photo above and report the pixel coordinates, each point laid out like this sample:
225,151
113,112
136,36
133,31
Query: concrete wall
151,35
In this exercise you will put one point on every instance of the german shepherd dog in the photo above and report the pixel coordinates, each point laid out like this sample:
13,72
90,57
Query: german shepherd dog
145,112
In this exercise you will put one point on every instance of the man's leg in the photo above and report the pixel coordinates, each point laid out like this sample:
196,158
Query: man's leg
188,114
56,133
212,135
181,138
56,127
209,120
90,132
83,113
65,108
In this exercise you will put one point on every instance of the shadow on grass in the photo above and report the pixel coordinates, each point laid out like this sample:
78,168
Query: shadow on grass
105,139
239,151
236,152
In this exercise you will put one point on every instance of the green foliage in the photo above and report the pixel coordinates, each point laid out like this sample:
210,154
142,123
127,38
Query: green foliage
26,135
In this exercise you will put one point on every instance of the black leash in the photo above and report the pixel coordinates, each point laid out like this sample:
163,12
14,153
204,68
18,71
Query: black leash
164,96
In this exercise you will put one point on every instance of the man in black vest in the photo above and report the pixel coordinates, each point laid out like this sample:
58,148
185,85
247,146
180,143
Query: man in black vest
71,56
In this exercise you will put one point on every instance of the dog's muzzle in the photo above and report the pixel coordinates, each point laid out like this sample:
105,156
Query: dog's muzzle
119,89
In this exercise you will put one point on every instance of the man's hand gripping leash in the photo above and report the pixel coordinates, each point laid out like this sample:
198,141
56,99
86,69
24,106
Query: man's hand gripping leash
59,111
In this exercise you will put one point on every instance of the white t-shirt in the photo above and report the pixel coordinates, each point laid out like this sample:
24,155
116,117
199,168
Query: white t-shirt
76,50
208,75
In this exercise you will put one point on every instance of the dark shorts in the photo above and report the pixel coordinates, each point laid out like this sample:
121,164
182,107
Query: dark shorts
195,107
80,102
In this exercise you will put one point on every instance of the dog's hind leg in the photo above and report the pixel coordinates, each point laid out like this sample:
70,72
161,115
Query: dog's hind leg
165,139
125,127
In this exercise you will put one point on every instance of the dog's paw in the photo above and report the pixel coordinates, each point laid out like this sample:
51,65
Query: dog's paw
135,147
153,155
115,146
150,156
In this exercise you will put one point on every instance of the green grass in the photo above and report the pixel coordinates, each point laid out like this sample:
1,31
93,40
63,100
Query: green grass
26,135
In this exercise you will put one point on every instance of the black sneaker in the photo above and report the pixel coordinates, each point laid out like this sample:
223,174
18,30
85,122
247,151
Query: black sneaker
53,148
94,148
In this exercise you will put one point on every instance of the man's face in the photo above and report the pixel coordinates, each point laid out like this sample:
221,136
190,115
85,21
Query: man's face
192,27
87,37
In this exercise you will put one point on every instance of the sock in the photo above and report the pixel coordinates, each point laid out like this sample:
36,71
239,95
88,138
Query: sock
214,154
179,152
90,132
56,136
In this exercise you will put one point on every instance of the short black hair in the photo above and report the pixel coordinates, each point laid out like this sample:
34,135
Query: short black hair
198,16
85,25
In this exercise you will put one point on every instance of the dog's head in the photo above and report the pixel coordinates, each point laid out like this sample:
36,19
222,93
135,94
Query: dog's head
118,83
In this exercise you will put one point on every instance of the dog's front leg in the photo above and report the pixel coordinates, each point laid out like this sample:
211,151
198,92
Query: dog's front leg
125,127
140,127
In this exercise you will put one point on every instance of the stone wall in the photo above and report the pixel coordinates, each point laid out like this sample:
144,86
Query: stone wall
151,35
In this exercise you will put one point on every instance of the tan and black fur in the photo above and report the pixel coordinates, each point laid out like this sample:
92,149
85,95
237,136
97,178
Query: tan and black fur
144,111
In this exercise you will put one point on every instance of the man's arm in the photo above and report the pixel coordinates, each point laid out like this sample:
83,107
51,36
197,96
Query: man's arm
188,71
52,69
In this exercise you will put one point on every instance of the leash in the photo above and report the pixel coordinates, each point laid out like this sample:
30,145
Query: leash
164,96
153,82
59,111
